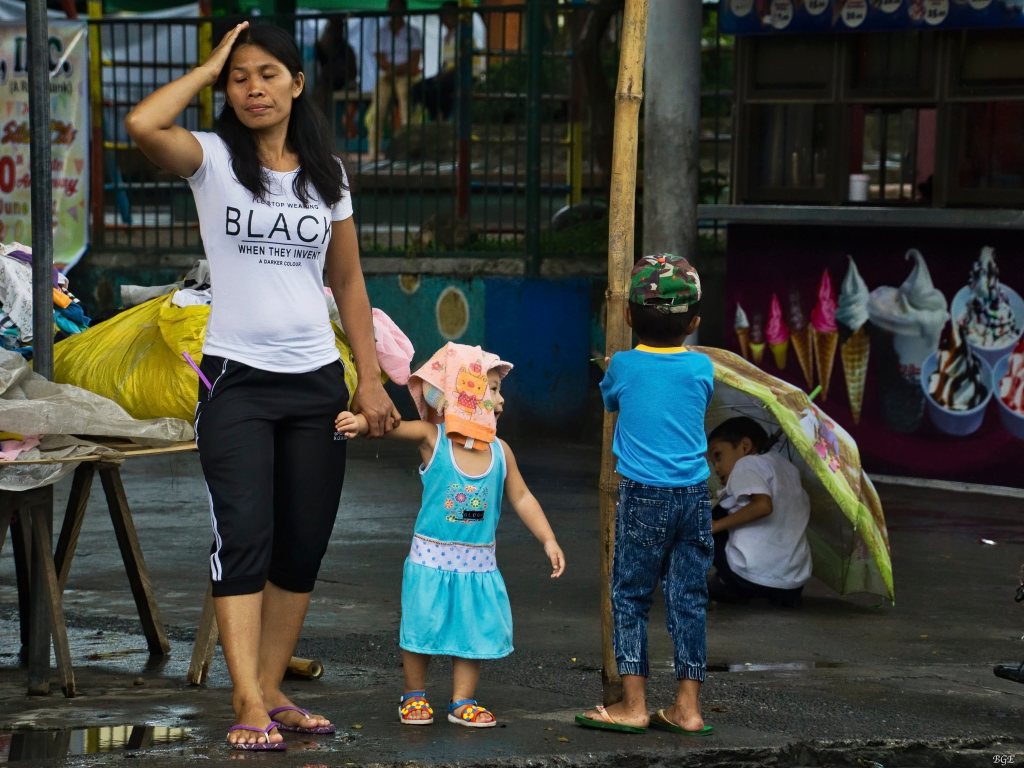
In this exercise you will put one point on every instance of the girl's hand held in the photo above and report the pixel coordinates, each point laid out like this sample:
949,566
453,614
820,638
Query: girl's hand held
557,558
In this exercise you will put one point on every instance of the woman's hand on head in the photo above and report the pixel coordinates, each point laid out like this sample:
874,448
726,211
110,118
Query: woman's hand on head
376,407
219,56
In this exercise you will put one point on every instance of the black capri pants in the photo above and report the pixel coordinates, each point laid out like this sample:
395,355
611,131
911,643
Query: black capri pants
274,470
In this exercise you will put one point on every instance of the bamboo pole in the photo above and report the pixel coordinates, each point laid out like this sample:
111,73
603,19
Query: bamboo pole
618,336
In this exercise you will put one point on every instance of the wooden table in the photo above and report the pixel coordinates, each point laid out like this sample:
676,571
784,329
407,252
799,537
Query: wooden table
42,573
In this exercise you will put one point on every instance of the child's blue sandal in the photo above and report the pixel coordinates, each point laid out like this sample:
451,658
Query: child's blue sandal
415,701
470,716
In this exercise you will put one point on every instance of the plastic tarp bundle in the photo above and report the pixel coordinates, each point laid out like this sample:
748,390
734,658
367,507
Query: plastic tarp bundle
30,404
135,358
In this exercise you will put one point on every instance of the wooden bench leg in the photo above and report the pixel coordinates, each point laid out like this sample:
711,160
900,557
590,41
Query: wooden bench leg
74,516
205,644
134,563
47,600
21,542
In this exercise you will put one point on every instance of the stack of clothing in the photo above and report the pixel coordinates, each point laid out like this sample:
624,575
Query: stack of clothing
69,316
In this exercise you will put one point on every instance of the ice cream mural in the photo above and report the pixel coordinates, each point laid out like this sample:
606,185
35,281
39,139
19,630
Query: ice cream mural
913,315
914,340
777,334
757,339
958,383
741,325
1008,379
826,333
854,344
800,334
991,313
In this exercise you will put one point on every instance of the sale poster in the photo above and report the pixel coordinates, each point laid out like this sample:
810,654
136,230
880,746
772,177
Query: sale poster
69,136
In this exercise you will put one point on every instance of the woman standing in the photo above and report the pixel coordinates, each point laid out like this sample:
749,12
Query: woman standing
274,213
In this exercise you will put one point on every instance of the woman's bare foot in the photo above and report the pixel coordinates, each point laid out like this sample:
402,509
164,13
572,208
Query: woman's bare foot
294,718
253,714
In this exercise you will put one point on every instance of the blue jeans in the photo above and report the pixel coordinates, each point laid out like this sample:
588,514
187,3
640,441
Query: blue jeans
662,535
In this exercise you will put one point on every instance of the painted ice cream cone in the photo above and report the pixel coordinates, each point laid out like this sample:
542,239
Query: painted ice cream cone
800,335
757,339
777,334
914,315
742,327
826,332
854,343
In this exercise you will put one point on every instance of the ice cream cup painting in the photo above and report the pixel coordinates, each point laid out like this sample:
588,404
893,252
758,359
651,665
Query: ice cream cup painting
956,422
993,351
1010,388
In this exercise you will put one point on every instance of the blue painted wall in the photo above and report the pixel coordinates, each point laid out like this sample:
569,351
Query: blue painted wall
541,326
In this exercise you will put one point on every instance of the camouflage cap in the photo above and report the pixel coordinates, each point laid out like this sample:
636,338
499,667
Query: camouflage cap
666,281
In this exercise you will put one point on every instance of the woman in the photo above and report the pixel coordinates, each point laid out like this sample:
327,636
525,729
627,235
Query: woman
274,212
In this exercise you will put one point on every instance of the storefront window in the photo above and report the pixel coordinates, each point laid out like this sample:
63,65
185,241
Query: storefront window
893,64
790,151
894,147
991,150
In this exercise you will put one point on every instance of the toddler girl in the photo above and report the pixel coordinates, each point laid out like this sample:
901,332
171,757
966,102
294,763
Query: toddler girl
454,601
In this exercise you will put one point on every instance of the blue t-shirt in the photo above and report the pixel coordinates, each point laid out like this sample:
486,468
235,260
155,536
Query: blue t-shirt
661,394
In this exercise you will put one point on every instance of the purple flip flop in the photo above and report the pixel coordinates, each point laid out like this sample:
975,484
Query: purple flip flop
321,730
259,746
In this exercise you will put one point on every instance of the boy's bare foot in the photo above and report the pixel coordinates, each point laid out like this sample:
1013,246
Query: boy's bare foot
692,721
621,714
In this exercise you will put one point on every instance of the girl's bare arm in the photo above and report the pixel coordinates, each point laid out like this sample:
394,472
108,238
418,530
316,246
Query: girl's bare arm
531,513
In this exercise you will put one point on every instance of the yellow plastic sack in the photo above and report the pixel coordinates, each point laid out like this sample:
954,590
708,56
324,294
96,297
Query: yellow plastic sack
135,359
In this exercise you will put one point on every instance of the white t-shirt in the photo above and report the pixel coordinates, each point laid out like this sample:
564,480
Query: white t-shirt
266,267
773,550
396,46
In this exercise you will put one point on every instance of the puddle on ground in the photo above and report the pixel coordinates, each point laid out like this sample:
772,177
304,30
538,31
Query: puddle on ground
784,666
35,745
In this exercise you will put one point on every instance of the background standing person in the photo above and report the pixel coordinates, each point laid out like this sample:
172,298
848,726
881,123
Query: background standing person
337,69
661,390
397,47
437,93
274,211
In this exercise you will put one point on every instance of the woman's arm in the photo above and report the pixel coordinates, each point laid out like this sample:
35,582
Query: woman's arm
151,123
760,506
345,277
531,513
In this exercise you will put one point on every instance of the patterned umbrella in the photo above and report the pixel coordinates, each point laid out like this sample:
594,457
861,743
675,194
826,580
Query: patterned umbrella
847,534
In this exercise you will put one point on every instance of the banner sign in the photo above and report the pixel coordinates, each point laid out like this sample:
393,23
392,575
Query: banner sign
69,138
914,337
754,17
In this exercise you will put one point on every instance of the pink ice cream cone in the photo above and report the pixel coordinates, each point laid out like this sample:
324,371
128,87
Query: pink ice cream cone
776,333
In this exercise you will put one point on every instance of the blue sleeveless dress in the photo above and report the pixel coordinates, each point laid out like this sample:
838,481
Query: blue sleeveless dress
454,601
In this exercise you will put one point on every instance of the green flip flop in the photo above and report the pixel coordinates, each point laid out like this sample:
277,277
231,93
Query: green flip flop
606,723
662,723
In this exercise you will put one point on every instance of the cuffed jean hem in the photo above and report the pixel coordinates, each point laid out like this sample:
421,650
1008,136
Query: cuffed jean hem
632,668
690,672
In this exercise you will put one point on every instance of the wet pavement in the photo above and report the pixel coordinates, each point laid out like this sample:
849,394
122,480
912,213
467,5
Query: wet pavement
842,681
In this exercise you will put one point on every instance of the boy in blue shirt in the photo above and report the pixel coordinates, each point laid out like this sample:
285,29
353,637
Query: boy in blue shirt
663,522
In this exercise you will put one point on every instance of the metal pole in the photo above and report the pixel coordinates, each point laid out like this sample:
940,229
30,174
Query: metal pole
463,109
42,191
534,52
42,313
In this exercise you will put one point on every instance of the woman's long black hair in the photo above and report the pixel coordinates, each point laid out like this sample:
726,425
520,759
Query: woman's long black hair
308,132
